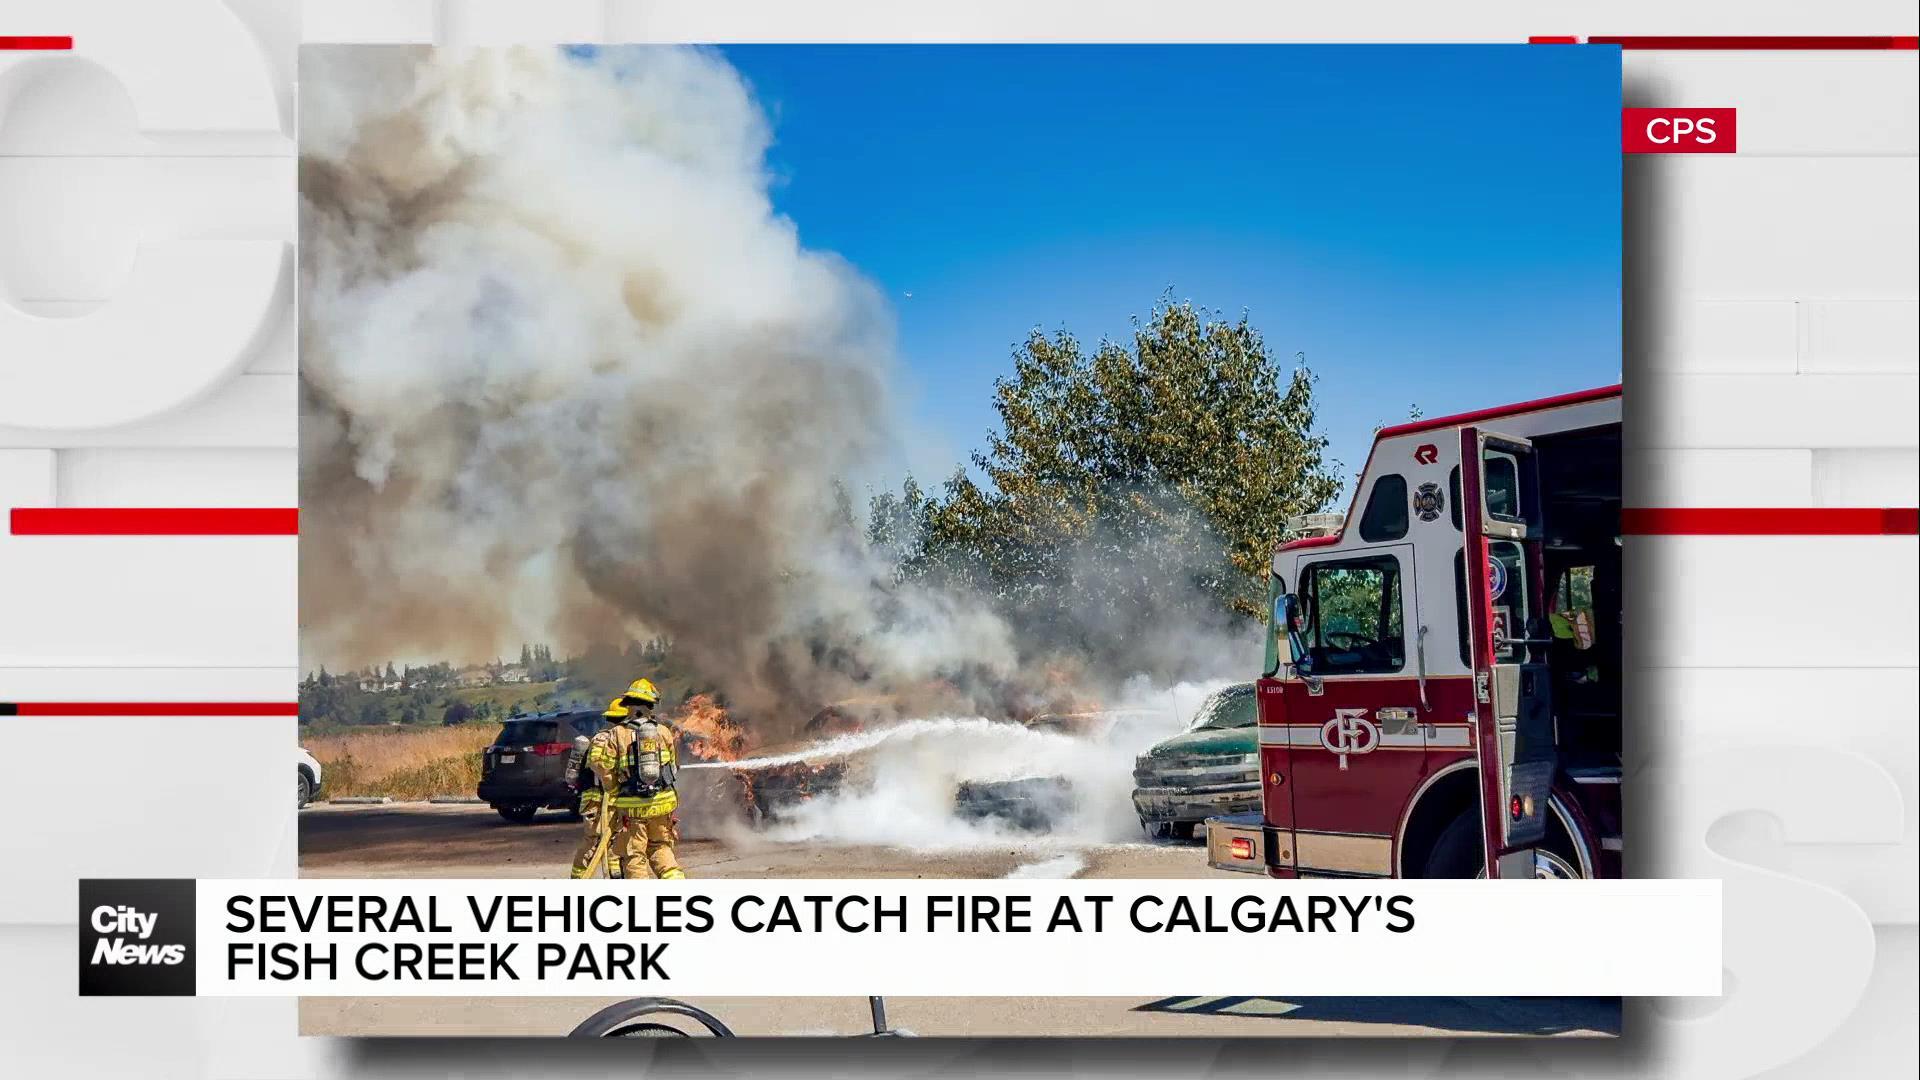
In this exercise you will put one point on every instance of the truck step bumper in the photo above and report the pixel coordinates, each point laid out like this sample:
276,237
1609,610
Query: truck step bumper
1238,842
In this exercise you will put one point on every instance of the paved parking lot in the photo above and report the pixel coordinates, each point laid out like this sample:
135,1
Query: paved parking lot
429,840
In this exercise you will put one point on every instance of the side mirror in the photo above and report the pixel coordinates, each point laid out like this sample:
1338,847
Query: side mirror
1286,610
1288,623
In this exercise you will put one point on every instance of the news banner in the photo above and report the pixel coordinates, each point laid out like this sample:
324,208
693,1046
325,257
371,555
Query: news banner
800,938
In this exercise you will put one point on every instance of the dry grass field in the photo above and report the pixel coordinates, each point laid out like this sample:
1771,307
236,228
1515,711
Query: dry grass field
411,763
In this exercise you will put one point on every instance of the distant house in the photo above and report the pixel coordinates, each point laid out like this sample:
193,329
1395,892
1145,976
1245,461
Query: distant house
468,678
515,673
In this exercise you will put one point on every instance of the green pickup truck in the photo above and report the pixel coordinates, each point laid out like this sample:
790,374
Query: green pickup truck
1212,768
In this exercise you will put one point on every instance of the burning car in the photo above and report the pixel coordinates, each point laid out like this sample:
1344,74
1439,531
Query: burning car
1033,803
713,737
1030,803
1211,768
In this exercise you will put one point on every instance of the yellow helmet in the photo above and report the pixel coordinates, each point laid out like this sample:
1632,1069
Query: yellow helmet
616,711
641,692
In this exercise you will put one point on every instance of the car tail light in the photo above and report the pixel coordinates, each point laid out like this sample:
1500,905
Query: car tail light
1242,847
550,749
1516,808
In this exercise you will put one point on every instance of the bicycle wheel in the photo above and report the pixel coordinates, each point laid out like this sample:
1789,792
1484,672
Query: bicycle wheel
649,1018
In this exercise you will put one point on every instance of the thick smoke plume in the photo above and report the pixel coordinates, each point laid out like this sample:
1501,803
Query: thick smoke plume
567,376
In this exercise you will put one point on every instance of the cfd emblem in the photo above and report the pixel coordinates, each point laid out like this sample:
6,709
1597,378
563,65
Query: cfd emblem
1349,732
1428,502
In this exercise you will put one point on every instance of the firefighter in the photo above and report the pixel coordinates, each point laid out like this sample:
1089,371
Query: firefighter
590,794
633,760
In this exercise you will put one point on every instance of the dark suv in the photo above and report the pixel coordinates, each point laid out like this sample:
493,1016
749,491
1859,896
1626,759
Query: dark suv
525,769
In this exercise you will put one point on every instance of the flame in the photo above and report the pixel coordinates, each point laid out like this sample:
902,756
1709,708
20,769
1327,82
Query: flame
714,735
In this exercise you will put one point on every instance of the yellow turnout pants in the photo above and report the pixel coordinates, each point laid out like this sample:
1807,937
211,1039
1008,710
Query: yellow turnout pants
641,846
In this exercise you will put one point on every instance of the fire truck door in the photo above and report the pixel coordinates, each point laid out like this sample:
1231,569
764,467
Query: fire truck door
1506,617
1356,742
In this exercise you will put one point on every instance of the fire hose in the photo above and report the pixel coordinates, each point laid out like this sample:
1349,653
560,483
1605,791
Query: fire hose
603,827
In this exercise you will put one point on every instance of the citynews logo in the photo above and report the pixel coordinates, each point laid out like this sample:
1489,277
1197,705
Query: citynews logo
136,937
119,950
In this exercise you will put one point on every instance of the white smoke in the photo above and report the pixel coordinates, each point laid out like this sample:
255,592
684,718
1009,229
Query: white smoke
1059,866
568,376
901,789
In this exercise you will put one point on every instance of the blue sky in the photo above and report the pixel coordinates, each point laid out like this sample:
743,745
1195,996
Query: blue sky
1430,225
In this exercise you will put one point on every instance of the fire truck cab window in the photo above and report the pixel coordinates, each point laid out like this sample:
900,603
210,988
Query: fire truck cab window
1353,617
1507,582
1460,604
1385,517
1572,614
1513,603
1503,487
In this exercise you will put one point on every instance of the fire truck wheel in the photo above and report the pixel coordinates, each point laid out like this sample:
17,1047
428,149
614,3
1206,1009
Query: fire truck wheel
1548,864
1456,852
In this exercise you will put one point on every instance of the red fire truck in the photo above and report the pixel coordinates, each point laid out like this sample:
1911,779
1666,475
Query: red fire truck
1442,683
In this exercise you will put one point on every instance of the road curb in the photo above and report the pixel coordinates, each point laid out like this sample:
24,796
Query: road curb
359,800
473,800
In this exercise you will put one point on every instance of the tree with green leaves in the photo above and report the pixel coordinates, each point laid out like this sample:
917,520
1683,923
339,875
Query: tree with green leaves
897,525
1174,458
